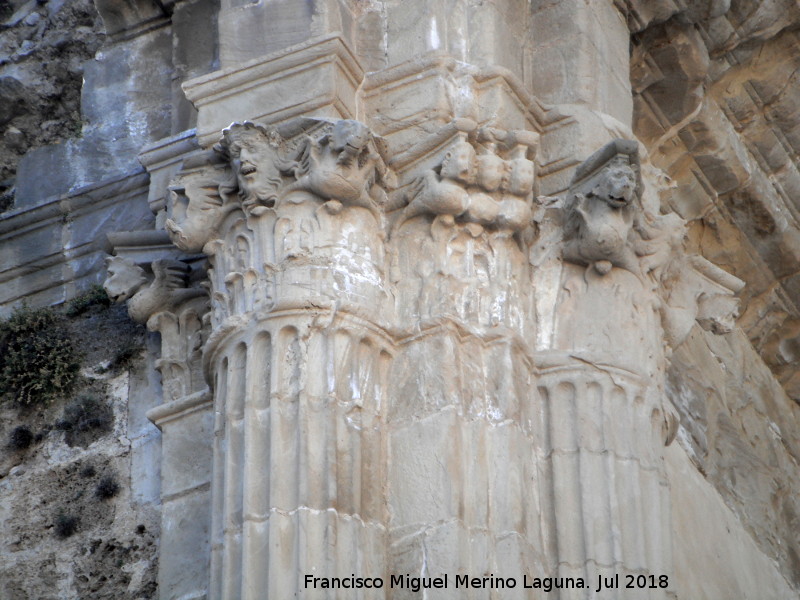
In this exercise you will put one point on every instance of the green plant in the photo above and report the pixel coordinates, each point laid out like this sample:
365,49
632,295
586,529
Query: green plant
6,197
6,10
75,128
38,360
94,296
124,356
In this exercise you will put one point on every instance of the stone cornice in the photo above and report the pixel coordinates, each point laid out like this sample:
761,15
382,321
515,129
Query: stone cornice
177,409
322,73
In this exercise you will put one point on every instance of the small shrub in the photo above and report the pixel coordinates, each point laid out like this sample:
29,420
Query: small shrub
123,357
21,438
65,525
84,419
106,488
94,296
88,471
7,193
38,361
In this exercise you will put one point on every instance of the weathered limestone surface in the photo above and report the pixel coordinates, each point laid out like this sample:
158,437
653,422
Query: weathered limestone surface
732,566
459,287
714,103
114,550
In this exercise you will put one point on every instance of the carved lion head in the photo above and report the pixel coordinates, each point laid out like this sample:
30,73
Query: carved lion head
617,185
124,278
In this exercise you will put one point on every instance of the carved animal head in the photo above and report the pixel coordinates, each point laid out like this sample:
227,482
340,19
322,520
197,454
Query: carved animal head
124,278
254,155
197,208
349,138
617,185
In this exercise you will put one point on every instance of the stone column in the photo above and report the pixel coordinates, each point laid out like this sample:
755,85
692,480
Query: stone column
299,352
463,484
620,305
420,365
610,509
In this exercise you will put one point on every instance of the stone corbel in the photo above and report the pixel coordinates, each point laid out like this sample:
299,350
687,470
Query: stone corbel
146,294
342,166
198,202
166,303
603,202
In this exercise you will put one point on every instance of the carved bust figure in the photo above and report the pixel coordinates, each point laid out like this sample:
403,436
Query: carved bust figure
341,168
349,138
600,209
459,163
444,193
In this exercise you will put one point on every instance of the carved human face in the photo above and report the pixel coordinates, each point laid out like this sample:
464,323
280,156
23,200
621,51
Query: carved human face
491,171
520,176
459,163
617,186
253,160
124,278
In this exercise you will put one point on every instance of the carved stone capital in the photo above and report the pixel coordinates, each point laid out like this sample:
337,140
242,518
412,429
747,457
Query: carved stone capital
286,215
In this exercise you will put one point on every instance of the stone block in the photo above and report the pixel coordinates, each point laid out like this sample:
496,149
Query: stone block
127,89
195,39
423,488
146,468
119,15
187,451
576,40
485,34
60,244
184,538
251,30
